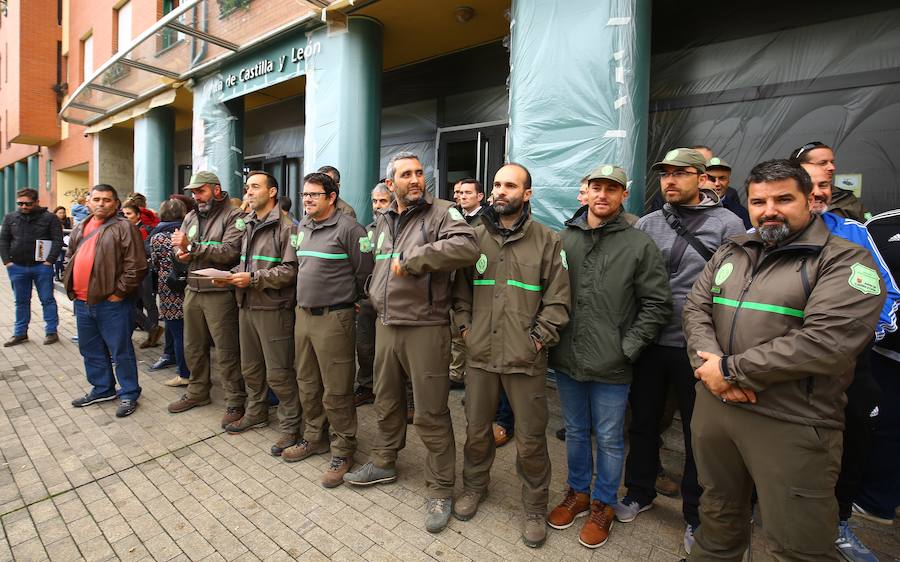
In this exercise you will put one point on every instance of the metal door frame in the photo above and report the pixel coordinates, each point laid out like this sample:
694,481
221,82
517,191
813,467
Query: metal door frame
467,127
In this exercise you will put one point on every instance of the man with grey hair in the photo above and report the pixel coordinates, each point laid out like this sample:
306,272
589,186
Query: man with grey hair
419,241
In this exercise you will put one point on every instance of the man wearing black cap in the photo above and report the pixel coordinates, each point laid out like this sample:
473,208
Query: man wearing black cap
718,172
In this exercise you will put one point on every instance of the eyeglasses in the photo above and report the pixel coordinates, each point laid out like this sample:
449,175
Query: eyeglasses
677,174
311,194
806,147
24,203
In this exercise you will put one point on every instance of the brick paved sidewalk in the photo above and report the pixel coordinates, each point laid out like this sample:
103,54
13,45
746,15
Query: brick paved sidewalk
80,484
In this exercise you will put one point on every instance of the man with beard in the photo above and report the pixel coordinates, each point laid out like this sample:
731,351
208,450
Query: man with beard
691,225
520,277
419,242
210,237
774,324
819,155
718,172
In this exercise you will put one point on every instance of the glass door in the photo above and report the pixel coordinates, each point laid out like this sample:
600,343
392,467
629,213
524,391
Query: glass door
475,151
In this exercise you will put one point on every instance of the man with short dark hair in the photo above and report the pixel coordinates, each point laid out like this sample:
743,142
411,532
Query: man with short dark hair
106,264
471,194
774,324
30,243
340,204
843,202
718,172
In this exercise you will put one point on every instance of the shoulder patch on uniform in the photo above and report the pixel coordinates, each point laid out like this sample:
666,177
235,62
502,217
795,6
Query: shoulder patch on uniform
365,245
563,257
380,242
295,240
864,279
455,214
481,264
192,231
724,272
240,224
300,236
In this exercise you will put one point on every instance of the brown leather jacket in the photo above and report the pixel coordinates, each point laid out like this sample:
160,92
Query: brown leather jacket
120,263
789,321
215,240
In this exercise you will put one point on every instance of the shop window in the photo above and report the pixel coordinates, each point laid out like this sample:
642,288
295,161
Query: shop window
169,37
226,7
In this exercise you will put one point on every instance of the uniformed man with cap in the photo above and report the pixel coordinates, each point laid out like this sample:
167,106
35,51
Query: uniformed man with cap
509,309
774,324
265,281
335,257
210,237
718,172
419,242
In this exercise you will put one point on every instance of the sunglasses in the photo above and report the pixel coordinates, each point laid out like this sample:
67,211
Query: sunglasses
805,148
24,203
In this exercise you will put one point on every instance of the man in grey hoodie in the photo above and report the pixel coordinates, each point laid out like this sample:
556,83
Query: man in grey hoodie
691,225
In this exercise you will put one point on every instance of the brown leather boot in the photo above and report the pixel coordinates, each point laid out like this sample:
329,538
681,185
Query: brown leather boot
245,424
305,449
595,531
334,474
185,403
232,414
573,505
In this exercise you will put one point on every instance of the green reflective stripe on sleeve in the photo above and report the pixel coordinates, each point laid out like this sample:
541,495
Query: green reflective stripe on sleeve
521,285
211,243
477,282
323,255
387,256
263,258
759,306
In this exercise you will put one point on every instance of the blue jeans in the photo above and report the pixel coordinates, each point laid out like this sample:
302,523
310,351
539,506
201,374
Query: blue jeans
175,334
22,278
104,339
584,403
504,416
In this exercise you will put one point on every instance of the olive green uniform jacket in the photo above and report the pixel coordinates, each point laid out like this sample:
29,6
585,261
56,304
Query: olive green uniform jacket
267,253
215,240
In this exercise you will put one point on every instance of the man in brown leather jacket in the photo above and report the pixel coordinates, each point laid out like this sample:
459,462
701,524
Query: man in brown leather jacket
210,237
774,324
106,264
418,242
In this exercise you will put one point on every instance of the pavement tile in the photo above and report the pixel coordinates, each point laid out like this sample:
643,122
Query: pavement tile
195,546
32,549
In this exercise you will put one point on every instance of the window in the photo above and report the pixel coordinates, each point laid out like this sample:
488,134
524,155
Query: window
123,26
87,57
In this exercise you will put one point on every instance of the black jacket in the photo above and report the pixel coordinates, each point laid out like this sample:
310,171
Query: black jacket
20,231
732,202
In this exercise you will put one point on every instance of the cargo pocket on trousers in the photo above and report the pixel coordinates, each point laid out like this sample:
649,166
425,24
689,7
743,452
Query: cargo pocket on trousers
812,511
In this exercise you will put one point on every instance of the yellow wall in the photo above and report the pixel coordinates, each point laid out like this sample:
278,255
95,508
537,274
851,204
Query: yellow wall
69,181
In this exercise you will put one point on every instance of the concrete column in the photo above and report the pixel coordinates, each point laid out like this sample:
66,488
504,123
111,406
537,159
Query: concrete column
218,143
21,176
114,159
154,149
597,74
34,172
343,110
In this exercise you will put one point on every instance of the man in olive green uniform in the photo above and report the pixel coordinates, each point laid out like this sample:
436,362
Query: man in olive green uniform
265,280
509,310
210,238
774,324
335,259
419,242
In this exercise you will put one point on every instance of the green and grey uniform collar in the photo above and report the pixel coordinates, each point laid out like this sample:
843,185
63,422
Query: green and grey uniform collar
309,223
579,221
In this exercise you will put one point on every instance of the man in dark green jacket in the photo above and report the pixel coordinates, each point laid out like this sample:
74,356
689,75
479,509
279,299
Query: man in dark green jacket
620,301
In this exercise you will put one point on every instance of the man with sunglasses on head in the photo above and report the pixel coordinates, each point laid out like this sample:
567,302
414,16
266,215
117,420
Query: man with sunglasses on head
29,232
843,202
691,226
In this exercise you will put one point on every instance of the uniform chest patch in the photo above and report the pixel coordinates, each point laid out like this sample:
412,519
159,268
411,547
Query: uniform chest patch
864,279
295,241
192,231
564,258
240,225
455,214
365,245
481,264
380,242
724,272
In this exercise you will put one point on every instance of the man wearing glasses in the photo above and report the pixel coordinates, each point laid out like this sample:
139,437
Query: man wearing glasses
691,225
335,259
30,243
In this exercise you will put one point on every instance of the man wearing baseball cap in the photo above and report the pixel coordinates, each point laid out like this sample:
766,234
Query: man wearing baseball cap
691,225
621,290
718,172
210,237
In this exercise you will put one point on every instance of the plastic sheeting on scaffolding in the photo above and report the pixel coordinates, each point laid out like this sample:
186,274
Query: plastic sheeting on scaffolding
756,98
579,74
218,135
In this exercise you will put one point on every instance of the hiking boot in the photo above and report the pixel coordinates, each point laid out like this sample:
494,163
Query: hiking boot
665,485
466,504
15,340
286,440
50,339
369,474
627,509
501,435
126,408
89,399
232,414
850,547
574,505
363,395
595,531
245,424
437,513
185,403
334,474
689,531
153,337
535,532
303,449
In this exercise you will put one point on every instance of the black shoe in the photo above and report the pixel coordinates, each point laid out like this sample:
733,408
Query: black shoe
363,395
126,408
161,363
89,399
457,385
561,434
15,340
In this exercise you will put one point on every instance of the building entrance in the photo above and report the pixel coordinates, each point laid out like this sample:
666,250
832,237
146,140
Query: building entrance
470,151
